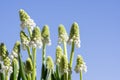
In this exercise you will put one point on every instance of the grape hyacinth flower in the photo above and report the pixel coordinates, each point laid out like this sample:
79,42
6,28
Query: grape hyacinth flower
3,51
36,41
74,35
24,40
80,66
46,35
26,21
63,36
59,53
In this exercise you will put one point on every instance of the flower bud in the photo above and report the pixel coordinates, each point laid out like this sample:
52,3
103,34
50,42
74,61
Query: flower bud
29,66
63,64
24,39
23,15
49,63
3,51
7,61
74,35
16,49
59,53
46,35
36,41
62,34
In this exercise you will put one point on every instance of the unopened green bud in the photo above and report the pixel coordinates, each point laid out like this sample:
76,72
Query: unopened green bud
49,63
74,35
63,64
3,50
79,60
36,34
74,32
7,61
59,53
23,15
29,66
23,36
46,35
45,32
16,48
63,36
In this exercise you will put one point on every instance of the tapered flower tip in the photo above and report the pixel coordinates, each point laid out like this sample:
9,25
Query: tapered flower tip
62,30
7,61
29,66
16,48
23,36
3,50
74,32
80,65
45,32
49,63
36,33
59,53
64,64
63,36
23,15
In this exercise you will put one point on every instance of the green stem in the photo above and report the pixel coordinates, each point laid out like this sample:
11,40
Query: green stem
29,31
29,53
44,53
65,49
29,76
71,59
66,76
43,61
80,75
34,64
6,75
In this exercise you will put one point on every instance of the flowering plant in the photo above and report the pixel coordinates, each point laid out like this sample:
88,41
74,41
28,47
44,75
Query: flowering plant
13,68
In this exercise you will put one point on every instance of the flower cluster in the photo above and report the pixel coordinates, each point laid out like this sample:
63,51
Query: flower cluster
74,35
26,21
31,37
80,65
63,36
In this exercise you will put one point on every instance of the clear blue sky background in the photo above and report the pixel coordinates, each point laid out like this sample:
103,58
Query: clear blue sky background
99,22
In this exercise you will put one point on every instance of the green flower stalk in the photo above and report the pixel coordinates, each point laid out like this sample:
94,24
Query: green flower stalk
74,39
46,41
24,40
36,41
3,51
63,37
26,21
80,66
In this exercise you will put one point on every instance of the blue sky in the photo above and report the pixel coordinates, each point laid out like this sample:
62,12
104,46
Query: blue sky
99,22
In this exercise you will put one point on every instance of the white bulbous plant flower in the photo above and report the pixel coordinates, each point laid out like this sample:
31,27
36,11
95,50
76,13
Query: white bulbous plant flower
74,35
26,21
80,65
